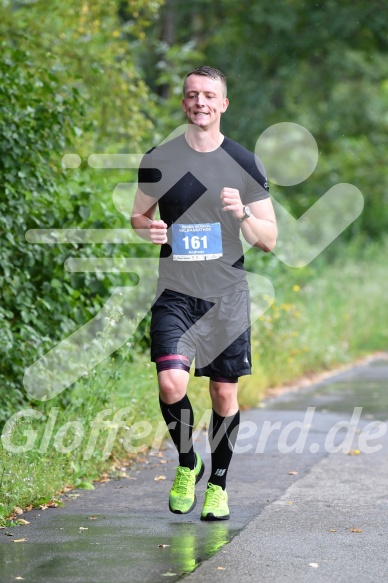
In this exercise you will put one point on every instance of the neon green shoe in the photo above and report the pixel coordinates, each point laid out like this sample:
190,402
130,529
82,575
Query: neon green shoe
216,504
182,498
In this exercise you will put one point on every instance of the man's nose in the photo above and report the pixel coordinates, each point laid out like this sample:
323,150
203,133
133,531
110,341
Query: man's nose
200,100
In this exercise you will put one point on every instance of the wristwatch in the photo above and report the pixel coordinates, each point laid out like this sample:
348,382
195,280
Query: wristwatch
247,213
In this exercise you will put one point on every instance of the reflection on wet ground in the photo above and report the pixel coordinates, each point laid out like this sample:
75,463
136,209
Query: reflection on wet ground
102,549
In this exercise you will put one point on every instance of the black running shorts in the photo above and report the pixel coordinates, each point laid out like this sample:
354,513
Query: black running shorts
215,331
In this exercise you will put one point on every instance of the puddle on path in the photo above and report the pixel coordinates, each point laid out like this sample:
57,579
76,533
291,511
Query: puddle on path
113,548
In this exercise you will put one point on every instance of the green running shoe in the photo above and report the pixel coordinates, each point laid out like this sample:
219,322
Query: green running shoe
216,504
182,498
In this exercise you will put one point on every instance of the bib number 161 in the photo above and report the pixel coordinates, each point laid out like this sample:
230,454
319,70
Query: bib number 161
195,242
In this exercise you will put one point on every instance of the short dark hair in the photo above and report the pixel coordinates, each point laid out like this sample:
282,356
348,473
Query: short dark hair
207,71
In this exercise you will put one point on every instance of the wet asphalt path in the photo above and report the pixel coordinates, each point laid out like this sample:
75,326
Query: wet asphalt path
296,516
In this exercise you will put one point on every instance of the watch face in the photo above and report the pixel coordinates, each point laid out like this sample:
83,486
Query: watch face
247,213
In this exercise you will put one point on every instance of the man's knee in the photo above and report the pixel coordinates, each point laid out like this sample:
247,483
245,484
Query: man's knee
173,377
223,393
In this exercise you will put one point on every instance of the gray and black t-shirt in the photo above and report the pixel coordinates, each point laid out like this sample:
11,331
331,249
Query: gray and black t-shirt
203,256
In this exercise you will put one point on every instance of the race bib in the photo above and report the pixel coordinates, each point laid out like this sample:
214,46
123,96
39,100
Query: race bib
196,242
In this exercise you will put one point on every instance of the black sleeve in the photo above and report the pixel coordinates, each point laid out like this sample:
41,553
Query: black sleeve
254,178
257,184
148,176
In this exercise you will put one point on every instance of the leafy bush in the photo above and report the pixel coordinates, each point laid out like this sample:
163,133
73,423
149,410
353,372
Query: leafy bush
39,304
36,119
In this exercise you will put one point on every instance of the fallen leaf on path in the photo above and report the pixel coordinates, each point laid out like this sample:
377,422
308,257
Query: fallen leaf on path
7,533
354,452
221,568
168,574
22,521
163,546
92,517
29,508
314,565
19,540
162,461
83,528
355,530
18,510
49,505
332,530
158,478
19,578
293,473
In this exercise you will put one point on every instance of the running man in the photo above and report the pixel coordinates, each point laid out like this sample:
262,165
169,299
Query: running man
206,188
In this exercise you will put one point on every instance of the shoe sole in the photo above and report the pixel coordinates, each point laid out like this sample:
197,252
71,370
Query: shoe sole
210,517
187,511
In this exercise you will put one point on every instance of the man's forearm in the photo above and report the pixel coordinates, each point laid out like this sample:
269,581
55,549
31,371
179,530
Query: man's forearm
141,224
260,233
150,230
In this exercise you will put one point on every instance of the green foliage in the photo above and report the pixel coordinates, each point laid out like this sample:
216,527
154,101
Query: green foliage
93,46
69,83
40,303
36,116
323,65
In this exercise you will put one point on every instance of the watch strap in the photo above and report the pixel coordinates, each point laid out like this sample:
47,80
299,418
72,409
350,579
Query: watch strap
245,216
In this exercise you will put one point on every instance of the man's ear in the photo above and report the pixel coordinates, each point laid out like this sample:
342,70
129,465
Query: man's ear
183,105
225,105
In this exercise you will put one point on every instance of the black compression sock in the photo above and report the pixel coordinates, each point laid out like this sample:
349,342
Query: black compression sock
179,418
222,438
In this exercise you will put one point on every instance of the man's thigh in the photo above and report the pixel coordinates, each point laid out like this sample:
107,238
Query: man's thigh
223,338
173,316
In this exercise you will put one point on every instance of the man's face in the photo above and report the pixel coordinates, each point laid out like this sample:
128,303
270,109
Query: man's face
204,102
